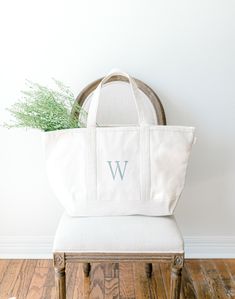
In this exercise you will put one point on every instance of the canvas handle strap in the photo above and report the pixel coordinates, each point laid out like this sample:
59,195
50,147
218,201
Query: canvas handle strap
92,113
144,140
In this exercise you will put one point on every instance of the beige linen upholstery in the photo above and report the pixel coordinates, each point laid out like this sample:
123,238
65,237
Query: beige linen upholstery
118,234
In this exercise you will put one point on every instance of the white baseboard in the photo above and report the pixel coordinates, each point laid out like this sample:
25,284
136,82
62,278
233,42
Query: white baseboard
209,247
26,247
36,247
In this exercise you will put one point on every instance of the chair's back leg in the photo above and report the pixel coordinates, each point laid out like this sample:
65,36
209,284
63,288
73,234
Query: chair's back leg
86,269
60,278
176,273
148,269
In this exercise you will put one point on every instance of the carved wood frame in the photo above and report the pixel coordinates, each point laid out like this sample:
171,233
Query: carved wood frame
61,258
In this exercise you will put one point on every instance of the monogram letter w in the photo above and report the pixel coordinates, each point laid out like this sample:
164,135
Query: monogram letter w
117,169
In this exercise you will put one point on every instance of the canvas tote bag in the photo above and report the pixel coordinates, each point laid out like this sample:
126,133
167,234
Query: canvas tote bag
98,171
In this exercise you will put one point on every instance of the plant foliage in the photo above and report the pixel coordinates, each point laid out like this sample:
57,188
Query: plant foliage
45,108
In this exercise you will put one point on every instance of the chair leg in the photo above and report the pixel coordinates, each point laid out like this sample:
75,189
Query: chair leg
177,265
86,269
148,269
60,277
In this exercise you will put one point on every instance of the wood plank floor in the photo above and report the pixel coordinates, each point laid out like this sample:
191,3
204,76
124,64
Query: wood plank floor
34,279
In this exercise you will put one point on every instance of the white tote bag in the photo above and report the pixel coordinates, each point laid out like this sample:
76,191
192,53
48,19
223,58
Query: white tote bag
98,171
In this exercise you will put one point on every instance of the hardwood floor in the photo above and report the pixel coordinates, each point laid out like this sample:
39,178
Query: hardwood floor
34,279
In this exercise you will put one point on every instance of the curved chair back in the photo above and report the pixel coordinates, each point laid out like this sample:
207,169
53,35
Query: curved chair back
148,94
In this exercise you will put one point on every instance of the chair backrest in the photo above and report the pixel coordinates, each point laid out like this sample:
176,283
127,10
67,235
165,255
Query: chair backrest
117,88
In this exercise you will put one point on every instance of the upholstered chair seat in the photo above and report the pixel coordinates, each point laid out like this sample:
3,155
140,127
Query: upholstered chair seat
118,234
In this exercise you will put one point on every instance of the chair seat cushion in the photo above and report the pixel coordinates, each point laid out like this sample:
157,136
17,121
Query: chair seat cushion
118,234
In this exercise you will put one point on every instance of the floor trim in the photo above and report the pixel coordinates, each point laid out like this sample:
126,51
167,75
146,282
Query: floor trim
36,247
209,246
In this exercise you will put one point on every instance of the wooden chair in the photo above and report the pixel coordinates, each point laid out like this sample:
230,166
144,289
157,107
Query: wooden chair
118,239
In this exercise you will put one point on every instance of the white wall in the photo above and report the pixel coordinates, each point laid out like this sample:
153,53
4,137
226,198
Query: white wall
183,49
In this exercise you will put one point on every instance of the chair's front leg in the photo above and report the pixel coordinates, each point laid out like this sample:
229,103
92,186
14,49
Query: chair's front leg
176,272
60,278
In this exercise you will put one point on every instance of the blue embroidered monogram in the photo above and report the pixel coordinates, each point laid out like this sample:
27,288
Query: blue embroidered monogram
118,168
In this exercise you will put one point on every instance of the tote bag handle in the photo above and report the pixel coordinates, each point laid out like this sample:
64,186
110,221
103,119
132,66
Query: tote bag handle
144,137
92,113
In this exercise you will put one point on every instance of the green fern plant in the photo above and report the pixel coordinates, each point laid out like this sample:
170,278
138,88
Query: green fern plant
46,109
